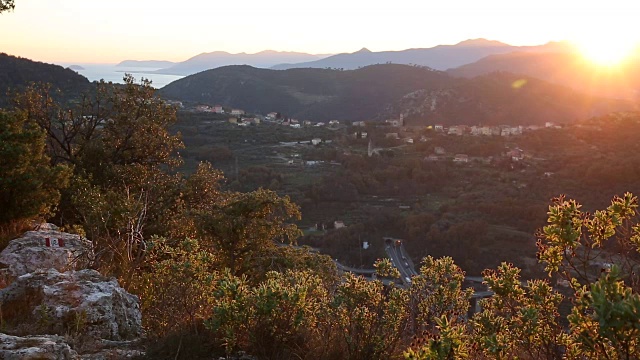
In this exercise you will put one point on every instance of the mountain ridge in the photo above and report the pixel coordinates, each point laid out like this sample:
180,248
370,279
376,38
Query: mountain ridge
439,57
379,92
210,60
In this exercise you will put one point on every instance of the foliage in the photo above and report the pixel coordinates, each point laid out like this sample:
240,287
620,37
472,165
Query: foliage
519,321
178,286
274,319
292,258
114,126
240,225
523,321
118,143
578,245
384,268
29,187
370,318
437,293
451,342
6,5
231,311
605,322
287,307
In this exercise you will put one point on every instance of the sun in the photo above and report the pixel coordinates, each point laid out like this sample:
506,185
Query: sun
607,51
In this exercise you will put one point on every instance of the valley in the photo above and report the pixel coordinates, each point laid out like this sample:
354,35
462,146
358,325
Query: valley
482,208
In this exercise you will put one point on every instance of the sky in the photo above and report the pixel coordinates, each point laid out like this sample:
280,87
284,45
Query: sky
100,31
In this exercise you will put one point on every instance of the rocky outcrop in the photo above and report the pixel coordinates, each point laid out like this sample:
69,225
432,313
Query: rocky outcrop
48,347
54,347
46,248
74,302
46,288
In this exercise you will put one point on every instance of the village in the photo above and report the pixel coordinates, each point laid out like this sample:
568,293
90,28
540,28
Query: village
392,134
356,180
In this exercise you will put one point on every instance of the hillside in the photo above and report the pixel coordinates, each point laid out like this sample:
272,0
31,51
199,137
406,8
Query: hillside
212,60
566,68
441,57
503,98
383,91
17,72
317,94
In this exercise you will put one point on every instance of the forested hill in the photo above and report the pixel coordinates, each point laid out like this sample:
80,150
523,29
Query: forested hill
378,92
503,98
17,72
318,94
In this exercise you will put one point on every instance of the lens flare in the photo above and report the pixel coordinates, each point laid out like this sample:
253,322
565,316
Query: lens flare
607,51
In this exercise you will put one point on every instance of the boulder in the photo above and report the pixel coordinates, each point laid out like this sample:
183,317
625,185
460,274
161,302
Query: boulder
48,347
54,347
45,248
74,302
107,350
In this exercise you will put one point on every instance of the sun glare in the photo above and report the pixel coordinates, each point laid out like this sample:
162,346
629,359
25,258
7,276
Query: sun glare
607,51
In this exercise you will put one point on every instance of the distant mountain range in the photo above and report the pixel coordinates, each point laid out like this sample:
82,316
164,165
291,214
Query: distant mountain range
16,73
376,92
212,60
486,91
146,63
565,68
441,57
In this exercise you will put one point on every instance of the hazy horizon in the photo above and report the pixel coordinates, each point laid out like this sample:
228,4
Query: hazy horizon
77,31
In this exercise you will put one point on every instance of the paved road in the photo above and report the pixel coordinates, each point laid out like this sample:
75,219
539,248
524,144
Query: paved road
400,259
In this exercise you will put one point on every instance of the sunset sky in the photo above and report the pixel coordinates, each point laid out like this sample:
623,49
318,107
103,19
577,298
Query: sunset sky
85,31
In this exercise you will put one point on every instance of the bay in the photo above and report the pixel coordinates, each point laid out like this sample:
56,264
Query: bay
115,74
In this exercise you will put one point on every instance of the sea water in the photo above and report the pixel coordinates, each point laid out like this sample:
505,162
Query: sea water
115,74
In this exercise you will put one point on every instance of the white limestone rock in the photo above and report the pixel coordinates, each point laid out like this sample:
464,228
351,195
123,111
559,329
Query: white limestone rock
46,248
46,347
74,302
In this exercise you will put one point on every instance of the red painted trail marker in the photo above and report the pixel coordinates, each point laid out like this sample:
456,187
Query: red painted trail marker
53,242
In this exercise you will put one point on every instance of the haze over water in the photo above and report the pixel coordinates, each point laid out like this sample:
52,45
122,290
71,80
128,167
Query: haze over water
113,73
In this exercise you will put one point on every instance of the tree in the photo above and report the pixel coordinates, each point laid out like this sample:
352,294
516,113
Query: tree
6,5
118,142
29,186
112,126
241,225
